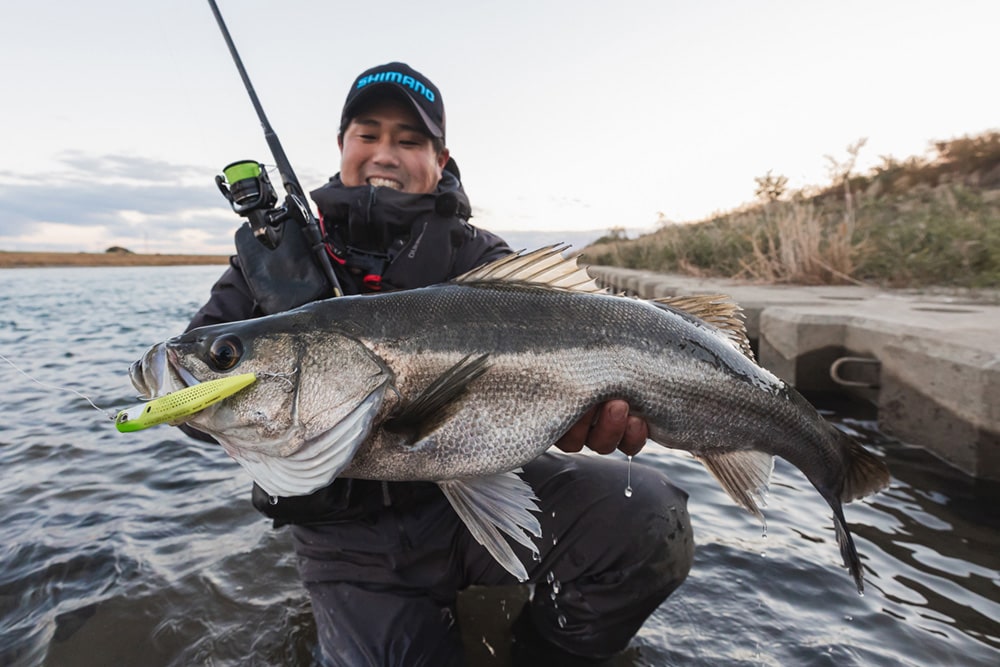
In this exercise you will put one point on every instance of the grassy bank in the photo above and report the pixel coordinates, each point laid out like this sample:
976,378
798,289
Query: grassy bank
918,222
14,260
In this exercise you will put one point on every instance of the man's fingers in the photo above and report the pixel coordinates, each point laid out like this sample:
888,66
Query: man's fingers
606,428
609,429
636,432
575,438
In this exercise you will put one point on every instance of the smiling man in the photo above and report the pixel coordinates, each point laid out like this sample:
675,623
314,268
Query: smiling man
385,146
383,561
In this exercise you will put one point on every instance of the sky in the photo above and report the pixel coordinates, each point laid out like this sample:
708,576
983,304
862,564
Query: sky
567,118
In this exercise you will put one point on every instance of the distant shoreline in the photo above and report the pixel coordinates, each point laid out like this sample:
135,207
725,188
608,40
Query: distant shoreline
24,260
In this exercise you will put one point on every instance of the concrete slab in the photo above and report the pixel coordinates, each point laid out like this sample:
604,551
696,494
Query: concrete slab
928,360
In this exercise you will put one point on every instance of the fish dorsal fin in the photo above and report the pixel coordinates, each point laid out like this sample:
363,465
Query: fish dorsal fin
493,505
744,474
546,266
718,310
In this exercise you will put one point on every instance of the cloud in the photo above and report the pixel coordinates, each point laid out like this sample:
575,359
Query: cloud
117,199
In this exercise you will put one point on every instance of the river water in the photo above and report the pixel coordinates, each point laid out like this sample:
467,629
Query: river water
143,548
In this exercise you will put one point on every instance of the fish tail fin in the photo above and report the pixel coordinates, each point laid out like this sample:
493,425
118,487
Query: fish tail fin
846,543
866,473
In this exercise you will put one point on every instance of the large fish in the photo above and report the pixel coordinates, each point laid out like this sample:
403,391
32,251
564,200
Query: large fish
463,383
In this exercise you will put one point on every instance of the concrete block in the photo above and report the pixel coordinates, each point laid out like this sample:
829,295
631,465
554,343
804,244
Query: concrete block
800,347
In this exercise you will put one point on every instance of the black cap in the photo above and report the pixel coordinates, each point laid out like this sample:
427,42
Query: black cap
405,82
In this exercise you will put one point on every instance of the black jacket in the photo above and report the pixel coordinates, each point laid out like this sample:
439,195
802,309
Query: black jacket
381,240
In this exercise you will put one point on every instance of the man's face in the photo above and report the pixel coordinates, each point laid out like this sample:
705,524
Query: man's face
385,145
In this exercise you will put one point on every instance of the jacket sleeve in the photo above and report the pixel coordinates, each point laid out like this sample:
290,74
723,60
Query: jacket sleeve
482,248
230,299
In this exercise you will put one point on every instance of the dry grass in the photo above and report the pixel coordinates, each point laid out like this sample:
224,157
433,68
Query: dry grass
916,223
14,260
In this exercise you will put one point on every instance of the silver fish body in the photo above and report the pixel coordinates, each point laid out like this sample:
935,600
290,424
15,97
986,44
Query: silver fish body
465,382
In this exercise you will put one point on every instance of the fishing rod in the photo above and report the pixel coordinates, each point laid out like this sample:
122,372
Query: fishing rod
249,191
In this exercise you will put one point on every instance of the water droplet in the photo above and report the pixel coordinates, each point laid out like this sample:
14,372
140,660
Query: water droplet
556,587
535,556
561,620
848,618
273,500
555,540
763,530
550,577
628,483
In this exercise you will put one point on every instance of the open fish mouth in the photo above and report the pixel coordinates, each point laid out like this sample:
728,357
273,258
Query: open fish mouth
157,373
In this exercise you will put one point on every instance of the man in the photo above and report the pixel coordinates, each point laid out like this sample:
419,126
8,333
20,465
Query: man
383,561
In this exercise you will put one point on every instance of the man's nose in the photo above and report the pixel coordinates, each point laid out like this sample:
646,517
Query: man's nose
385,153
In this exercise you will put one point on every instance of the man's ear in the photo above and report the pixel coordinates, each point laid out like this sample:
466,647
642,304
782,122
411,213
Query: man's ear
442,158
340,142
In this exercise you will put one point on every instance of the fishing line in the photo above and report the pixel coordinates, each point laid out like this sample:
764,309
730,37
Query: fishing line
284,377
110,414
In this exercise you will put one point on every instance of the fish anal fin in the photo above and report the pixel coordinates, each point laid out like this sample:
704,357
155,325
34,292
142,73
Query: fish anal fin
421,412
720,311
493,506
744,474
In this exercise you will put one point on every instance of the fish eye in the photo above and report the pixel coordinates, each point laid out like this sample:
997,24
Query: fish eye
225,352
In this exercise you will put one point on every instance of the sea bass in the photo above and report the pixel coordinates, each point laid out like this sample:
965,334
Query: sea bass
465,382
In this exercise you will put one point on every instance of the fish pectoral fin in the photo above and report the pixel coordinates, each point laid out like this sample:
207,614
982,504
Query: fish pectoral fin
423,410
496,504
744,474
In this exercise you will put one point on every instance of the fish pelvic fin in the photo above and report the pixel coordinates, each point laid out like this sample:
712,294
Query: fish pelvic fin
718,310
495,505
544,267
424,410
866,473
745,476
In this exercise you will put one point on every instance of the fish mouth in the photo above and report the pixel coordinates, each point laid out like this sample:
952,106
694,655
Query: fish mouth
157,373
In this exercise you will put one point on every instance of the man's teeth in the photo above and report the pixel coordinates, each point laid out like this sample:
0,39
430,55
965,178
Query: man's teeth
385,183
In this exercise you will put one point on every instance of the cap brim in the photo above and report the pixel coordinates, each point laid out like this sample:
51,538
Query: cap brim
389,89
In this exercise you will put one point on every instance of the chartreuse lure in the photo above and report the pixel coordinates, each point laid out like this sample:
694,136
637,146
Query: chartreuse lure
176,405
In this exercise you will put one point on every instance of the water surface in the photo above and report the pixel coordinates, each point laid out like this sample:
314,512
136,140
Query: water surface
144,549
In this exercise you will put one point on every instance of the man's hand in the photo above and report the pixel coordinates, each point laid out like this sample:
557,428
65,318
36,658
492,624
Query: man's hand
606,428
